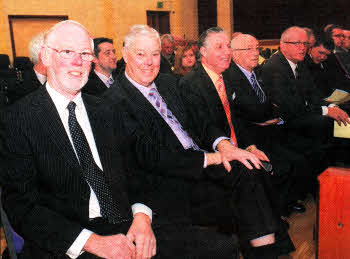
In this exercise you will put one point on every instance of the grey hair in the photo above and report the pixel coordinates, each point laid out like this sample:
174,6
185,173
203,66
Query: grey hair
139,30
286,34
167,37
57,25
34,47
202,42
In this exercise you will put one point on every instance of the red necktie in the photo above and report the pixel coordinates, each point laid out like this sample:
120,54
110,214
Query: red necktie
223,97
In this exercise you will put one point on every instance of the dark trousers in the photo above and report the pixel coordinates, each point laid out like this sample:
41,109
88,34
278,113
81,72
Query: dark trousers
241,200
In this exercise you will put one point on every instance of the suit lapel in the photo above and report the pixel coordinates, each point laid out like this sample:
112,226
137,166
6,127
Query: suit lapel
48,116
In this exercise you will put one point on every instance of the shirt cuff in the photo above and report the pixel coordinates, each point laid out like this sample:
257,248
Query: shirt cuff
205,160
217,141
139,207
76,248
325,109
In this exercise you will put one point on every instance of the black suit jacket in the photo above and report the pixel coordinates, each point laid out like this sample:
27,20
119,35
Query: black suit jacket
206,111
161,159
45,194
327,77
29,83
94,85
293,97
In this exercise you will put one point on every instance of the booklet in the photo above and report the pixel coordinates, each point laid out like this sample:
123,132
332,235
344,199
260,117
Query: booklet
341,131
338,97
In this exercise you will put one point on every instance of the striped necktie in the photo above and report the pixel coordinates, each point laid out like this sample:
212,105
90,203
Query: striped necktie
259,92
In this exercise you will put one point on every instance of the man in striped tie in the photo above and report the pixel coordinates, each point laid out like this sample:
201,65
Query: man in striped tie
177,166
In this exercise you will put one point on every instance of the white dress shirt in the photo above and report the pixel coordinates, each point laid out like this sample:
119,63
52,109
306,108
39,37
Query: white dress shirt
104,78
61,103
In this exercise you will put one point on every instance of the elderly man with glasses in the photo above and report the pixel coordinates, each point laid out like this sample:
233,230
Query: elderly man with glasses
308,119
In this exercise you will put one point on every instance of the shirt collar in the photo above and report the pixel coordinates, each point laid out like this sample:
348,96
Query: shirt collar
292,65
61,102
213,76
103,77
143,89
246,72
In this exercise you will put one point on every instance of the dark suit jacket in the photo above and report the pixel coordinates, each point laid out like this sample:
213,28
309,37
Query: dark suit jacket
205,109
329,77
170,169
29,83
293,97
45,194
94,85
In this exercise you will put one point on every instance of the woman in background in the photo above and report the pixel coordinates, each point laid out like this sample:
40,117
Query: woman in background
185,60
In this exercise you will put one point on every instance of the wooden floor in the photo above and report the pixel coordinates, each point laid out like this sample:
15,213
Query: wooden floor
301,231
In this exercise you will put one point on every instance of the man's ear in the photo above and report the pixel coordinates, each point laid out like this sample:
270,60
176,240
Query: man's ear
95,60
203,51
46,55
124,55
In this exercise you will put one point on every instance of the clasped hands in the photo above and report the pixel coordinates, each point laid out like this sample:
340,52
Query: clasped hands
138,243
228,152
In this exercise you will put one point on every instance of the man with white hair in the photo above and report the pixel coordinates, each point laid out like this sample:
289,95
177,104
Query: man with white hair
58,167
32,78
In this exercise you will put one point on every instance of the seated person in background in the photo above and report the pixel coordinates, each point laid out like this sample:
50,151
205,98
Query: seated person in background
167,54
259,119
185,60
101,78
180,171
336,33
307,119
57,165
326,78
345,55
32,78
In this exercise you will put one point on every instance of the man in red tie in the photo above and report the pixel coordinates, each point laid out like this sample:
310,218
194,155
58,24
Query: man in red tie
207,97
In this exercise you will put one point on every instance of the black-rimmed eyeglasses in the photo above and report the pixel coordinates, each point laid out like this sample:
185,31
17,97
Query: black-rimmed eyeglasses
69,54
297,43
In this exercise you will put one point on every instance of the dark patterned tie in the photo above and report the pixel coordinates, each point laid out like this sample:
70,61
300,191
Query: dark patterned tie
91,172
297,72
259,92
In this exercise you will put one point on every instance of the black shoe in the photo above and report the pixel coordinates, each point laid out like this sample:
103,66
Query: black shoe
297,208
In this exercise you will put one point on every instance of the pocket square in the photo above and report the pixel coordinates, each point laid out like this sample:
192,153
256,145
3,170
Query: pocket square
233,96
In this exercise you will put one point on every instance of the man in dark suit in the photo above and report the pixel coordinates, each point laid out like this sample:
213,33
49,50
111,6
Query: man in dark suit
167,60
260,120
292,91
308,118
33,77
326,78
59,177
101,78
166,152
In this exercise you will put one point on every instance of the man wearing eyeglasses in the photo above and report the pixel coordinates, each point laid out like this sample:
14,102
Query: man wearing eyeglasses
58,165
100,78
260,120
289,83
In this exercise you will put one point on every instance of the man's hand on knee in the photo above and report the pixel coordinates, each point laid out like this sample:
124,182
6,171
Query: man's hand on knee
111,247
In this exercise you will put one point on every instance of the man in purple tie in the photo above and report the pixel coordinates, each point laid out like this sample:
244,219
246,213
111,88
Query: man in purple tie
179,171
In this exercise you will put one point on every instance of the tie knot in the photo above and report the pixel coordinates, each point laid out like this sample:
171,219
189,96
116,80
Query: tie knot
110,81
252,78
71,107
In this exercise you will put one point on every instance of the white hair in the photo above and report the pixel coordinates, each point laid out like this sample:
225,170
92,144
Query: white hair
35,45
57,25
139,30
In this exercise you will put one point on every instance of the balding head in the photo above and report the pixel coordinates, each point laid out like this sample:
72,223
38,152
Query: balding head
67,53
245,51
294,42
